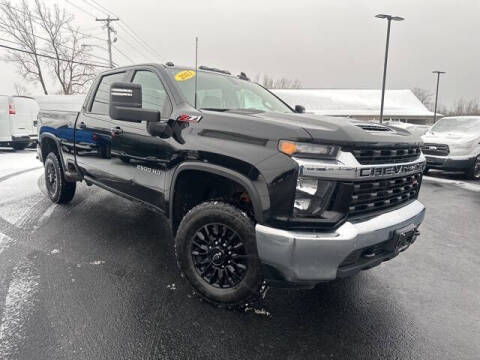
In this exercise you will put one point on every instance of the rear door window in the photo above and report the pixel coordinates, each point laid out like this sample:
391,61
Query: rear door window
101,101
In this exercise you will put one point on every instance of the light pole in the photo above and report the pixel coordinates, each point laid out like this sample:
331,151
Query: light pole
436,93
389,21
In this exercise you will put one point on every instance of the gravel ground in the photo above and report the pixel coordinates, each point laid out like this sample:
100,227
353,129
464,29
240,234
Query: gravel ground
97,279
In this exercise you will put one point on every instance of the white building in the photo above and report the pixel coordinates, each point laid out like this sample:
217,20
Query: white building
362,104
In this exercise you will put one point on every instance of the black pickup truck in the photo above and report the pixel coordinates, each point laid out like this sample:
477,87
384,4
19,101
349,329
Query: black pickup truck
256,192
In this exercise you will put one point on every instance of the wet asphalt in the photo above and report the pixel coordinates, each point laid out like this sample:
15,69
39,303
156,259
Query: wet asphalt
97,279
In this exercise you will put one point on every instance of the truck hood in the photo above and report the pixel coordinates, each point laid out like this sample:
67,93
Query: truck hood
315,128
449,138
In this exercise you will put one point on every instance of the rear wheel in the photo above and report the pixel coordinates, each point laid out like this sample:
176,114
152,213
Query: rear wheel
474,172
217,252
59,190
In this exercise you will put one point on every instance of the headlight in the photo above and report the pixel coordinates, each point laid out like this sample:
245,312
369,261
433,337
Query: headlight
312,197
307,149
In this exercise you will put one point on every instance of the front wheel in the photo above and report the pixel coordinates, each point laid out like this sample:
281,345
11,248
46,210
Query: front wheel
59,190
217,252
474,172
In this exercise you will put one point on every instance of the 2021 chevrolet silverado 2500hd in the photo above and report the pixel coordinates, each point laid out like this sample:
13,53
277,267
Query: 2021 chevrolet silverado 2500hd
453,144
254,190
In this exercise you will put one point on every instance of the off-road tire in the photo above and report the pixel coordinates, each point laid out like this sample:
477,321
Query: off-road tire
473,173
251,287
59,190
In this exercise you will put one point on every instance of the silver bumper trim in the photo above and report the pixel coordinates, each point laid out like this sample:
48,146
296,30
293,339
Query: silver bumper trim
316,256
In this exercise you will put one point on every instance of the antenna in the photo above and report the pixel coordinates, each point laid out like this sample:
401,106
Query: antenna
196,68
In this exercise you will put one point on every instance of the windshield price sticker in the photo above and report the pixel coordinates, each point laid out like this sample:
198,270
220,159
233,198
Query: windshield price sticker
184,75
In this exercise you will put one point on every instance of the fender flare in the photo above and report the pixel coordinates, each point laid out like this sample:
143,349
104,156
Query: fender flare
259,203
57,143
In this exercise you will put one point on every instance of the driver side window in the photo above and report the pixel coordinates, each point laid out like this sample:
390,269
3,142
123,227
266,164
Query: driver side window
154,95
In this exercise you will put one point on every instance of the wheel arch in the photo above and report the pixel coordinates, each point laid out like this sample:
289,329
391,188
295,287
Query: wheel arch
256,192
49,142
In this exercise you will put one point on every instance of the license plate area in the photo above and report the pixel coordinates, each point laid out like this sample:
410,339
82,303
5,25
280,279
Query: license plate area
404,237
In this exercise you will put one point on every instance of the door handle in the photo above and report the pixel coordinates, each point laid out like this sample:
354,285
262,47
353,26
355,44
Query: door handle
116,131
82,125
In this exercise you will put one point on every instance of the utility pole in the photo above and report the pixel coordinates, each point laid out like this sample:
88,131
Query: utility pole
436,94
389,21
110,29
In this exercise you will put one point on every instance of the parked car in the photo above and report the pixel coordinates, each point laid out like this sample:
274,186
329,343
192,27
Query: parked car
254,190
18,121
415,129
418,130
453,144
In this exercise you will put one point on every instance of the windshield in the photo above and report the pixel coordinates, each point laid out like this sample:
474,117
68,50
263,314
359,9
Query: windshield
222,93
457,125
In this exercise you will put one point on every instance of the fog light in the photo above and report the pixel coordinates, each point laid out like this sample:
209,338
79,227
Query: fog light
312,196
302,204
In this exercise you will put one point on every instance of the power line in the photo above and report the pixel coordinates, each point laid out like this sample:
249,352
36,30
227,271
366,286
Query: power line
127,28
39,18
110,29
79,8
52,57
49,40
124,55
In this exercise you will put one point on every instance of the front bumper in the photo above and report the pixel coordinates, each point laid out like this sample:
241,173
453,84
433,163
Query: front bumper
300,257
450,162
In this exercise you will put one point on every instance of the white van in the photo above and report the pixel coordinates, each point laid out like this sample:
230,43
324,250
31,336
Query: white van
18,121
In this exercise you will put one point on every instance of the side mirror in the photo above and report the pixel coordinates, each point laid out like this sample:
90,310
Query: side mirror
299,109
126,104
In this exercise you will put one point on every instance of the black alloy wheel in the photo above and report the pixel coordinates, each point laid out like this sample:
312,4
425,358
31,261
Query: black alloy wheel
219,255
59,190
216,251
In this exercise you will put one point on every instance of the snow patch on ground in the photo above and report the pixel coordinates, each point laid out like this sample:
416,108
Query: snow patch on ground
172,286
19,304
461,184
97,262
5,242
45,215
256,311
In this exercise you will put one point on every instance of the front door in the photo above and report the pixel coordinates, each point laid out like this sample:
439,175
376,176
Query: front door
93,132
138,159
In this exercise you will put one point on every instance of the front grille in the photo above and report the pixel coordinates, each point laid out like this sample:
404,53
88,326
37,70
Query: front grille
385,155
374,195
435,149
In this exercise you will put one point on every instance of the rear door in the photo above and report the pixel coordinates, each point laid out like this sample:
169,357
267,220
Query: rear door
26,110
93,132
138,159
5,134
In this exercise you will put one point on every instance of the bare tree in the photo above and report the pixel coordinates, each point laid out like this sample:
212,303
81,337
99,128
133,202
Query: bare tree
465,107
42,30
282,83
21,27
20,89
424,96
66,43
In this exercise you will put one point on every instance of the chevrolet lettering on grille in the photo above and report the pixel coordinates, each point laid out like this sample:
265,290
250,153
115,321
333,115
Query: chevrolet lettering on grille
391,170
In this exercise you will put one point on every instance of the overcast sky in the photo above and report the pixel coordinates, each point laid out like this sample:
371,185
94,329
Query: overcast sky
323,43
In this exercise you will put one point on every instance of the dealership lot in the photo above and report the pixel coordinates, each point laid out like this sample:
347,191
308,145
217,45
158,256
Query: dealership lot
97,279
